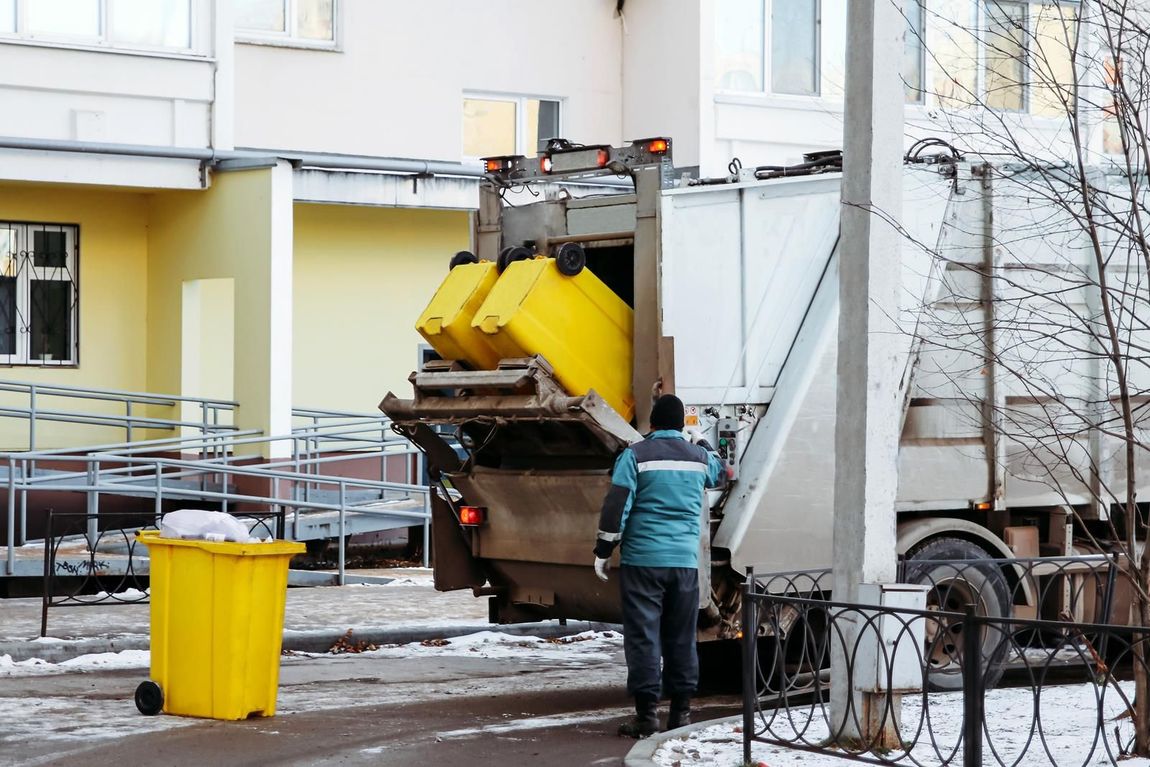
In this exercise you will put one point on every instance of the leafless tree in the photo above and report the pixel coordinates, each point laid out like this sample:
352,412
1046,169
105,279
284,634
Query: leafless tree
1039,331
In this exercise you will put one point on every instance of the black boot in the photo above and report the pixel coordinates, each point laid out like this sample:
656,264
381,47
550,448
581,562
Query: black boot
646,720
680,715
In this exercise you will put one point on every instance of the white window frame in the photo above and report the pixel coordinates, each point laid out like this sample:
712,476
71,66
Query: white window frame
290,38
923,85
520,102
26,272
984,33
198,33
768,52
983,25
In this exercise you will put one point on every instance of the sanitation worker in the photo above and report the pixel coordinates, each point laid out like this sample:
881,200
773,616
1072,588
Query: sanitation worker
654,508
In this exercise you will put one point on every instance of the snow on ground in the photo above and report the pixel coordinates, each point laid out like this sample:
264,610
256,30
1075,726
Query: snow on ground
105,661
1065,722
587,646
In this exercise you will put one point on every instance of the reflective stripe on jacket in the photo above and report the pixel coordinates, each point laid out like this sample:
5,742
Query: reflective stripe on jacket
655,501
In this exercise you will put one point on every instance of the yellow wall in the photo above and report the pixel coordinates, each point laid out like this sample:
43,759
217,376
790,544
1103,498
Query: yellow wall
224,232
113,274
362,277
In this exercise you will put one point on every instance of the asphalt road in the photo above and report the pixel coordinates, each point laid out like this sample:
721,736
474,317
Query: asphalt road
342,711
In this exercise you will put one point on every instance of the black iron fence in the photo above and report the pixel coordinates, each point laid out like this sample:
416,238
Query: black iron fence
907,674
95,559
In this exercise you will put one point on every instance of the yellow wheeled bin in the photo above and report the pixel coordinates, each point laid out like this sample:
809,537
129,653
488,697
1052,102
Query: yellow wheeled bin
575,322
217,626
446,322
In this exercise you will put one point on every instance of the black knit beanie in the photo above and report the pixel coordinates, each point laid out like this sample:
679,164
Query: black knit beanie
667,413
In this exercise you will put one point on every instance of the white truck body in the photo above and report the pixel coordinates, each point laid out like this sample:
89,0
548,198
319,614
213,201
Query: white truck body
735,291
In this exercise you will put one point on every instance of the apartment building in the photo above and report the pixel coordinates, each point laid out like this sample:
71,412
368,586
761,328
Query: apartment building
253,199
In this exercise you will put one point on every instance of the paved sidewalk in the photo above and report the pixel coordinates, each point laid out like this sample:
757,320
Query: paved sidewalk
406,609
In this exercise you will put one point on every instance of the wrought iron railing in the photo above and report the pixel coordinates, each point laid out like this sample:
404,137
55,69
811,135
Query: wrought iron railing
890,684
86,566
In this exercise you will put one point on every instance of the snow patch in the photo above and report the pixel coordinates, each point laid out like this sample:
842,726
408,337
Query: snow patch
105,661
1062,722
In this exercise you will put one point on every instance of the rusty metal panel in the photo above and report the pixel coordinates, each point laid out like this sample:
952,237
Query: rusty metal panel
536,516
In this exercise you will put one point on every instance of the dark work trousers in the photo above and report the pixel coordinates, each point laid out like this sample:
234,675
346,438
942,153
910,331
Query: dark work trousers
660,612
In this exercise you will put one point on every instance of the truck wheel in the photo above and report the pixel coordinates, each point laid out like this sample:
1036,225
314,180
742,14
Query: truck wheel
462,257
149,698
509,256
570,258
951,568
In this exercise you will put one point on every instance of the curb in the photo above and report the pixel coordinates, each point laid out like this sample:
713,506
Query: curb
642,754
317,640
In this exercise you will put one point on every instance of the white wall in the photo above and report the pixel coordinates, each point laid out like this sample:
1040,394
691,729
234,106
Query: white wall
86,91
662,68
395,85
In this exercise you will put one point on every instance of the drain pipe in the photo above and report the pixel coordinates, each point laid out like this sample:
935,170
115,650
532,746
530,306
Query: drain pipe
248,158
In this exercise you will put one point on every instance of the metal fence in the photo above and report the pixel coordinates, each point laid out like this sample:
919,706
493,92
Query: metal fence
86,569
888,684
318,474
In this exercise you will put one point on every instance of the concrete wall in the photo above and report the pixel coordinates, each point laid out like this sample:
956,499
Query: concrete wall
396,84
362,276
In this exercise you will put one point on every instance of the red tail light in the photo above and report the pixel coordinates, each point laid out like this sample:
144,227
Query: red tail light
472,516
658,146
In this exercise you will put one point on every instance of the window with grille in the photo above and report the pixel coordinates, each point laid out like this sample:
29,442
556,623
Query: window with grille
39,294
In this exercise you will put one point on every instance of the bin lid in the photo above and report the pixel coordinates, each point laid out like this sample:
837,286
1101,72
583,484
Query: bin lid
231,548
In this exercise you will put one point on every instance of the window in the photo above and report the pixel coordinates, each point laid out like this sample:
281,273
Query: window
913,51
1005,55
741,49
502,125
134,24
38,294
739,45
1028,63
795,47
306,22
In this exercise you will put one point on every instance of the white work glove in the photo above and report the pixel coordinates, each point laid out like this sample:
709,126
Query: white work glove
694,436
601,568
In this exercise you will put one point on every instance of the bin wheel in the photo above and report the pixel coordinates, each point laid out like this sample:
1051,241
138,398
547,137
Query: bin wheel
510,255
149,698
462,257
570,258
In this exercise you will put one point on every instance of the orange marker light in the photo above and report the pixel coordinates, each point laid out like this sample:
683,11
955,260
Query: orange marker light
545,163
472,516
658,146
492,166
602,158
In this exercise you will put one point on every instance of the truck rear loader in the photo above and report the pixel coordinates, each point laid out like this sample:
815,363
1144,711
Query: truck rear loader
732,291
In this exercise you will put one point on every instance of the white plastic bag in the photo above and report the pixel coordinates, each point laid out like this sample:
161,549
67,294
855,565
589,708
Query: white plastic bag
203,525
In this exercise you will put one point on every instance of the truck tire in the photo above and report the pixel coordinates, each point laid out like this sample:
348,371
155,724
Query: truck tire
936,563
508,256
570,258
462,257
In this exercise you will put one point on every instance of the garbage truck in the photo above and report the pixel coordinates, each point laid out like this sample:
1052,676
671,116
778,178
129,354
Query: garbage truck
725,292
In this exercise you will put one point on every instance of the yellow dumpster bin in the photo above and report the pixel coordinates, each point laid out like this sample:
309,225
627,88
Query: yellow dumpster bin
217,625
574,321
446,322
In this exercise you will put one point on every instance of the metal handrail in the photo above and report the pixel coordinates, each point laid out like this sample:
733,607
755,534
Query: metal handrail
91,392
128,421
137,473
